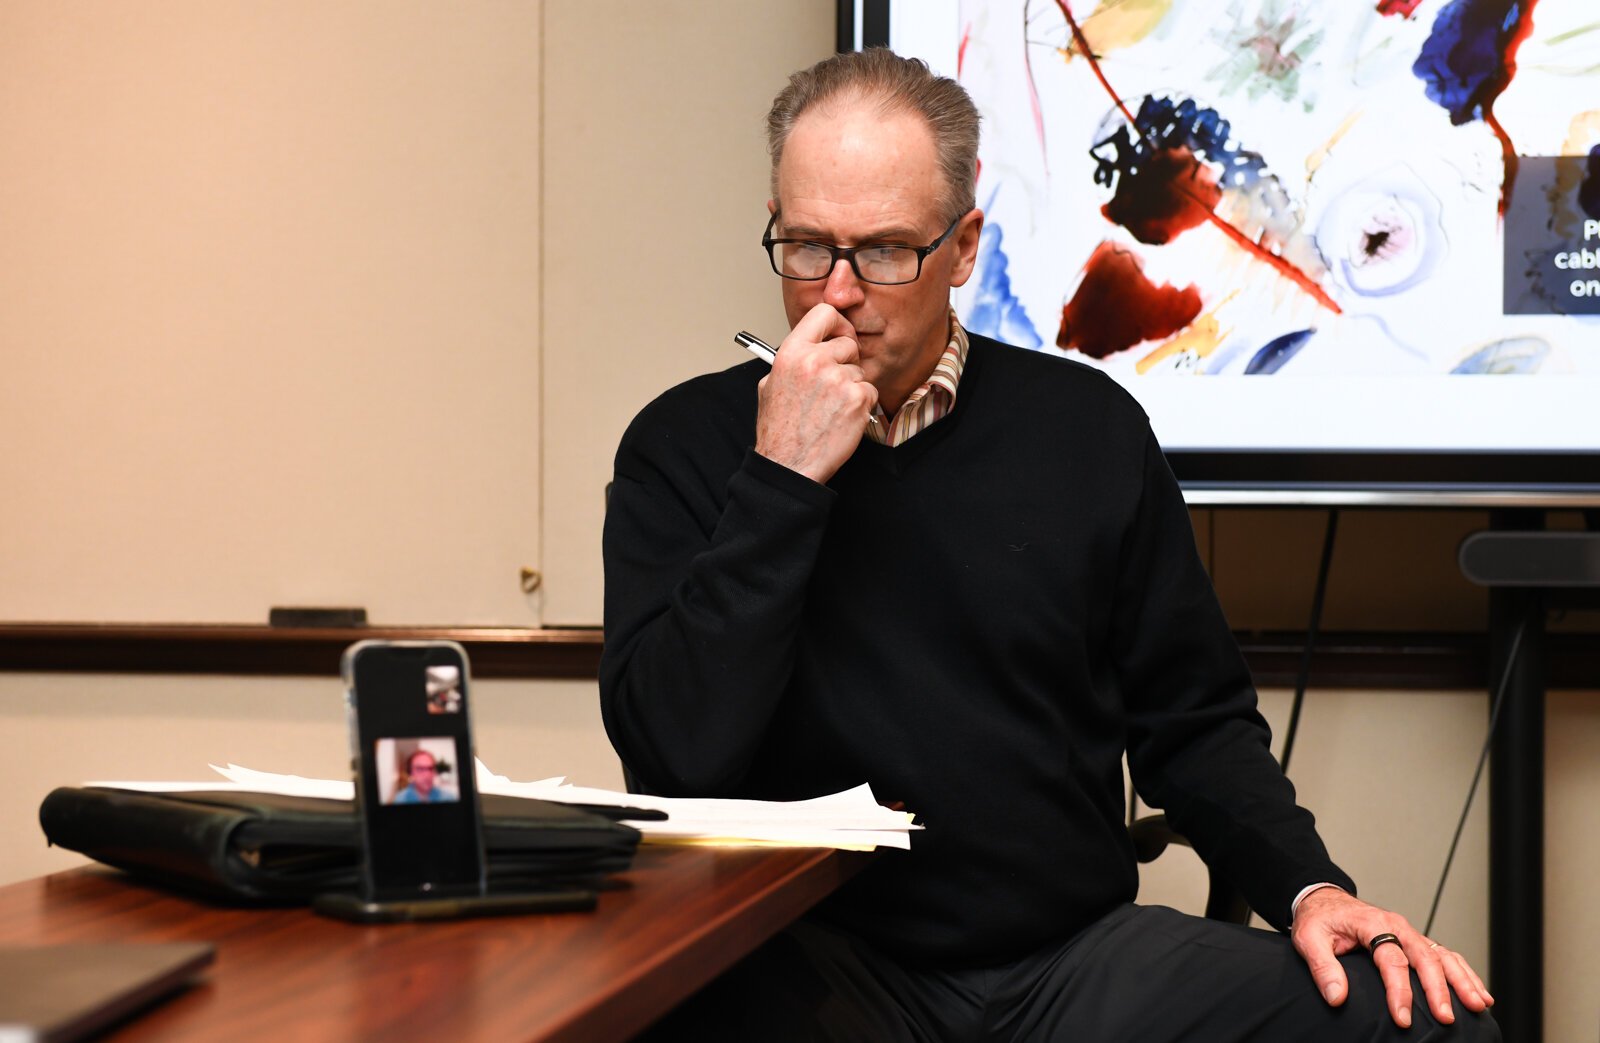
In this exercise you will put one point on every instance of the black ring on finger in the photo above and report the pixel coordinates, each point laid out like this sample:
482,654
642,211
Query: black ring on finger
1382,939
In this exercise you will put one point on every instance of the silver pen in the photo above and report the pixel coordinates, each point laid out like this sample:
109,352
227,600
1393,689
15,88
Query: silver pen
756,346
767,353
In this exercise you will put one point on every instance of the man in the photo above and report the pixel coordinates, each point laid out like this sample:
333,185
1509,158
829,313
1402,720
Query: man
423,787
962,572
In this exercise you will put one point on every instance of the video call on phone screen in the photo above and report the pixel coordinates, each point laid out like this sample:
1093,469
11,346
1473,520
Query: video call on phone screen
417,781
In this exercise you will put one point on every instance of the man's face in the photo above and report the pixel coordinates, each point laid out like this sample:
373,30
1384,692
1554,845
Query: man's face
852,176
423,773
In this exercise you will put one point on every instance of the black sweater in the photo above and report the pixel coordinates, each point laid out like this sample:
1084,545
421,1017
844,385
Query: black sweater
977,622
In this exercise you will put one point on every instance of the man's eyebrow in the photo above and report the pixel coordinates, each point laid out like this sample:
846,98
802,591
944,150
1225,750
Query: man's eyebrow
896,234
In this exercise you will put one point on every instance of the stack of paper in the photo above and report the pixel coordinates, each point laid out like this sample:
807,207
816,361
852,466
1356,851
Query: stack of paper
851,820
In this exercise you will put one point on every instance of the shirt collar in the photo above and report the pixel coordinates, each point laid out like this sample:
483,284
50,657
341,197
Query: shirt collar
932,400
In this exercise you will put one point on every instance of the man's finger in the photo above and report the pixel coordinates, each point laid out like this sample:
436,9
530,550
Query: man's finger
1326,972
822,323
871,397
1470,988
1395,971
844,349
1435,987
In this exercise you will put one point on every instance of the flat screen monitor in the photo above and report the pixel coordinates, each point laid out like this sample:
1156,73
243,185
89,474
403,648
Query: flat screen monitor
1340,252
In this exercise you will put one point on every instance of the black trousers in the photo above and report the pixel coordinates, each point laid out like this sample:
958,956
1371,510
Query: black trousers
1142,973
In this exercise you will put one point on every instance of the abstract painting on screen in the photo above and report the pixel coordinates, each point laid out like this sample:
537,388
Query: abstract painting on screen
1289,188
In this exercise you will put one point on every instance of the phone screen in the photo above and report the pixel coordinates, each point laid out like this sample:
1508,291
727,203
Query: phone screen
416,788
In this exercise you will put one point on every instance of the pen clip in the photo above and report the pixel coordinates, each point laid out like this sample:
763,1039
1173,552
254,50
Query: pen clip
756,346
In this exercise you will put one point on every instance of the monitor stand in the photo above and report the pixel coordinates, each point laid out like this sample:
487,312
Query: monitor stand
1528,571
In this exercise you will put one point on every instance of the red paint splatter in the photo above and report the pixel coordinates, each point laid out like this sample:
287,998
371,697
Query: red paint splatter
1170,194
1289,271
1508,151
961,51
1468,62
1400,8
1508,155
1116,306
1260,252
1033,100
1094,62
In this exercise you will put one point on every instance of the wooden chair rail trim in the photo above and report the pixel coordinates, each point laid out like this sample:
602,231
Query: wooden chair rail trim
504,652
1345,659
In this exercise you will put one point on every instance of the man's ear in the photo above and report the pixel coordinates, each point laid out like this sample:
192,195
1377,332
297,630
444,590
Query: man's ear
772,207
966,237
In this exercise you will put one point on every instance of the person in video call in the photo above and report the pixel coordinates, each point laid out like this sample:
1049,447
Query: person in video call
962,572
423,771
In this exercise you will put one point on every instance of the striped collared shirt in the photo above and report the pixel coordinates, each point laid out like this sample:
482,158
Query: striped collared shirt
932,401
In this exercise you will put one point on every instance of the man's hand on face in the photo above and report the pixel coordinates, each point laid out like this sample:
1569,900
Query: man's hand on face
816,402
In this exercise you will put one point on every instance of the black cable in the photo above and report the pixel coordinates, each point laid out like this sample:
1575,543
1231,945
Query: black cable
1317,600
1211,544
1483,758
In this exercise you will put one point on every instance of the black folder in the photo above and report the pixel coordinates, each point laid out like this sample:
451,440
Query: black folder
271,848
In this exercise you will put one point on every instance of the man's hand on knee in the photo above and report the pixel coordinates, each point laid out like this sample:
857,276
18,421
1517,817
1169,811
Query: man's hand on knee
1330,923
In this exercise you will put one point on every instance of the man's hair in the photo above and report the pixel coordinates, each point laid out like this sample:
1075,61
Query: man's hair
897,85
411,760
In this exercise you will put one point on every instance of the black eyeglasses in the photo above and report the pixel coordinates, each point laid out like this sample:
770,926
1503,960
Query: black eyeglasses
807,261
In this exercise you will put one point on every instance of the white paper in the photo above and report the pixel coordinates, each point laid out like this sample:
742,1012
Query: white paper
851,819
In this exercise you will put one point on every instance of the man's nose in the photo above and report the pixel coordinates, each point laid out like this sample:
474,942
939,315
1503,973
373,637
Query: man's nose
843,288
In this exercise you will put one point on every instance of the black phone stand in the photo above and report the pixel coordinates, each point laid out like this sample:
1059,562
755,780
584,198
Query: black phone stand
344,905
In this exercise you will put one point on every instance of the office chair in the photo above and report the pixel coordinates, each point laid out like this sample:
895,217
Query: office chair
1152,835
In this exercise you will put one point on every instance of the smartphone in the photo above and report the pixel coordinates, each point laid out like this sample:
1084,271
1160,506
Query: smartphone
410,709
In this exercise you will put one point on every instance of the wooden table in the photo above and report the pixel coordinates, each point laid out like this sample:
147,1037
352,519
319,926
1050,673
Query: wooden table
288,974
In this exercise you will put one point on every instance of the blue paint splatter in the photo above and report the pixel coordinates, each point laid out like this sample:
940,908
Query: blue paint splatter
996,312
1512,356
1129,159
1219,361
1463,61
1278,351
1162,124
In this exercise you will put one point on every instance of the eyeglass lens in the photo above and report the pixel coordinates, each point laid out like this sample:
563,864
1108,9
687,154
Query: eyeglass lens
879,264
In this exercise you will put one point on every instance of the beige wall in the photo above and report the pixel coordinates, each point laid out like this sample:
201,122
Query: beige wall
269,308
258,238
673,150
